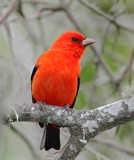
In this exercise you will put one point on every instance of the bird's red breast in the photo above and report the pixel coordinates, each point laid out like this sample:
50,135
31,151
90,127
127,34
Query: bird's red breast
55,81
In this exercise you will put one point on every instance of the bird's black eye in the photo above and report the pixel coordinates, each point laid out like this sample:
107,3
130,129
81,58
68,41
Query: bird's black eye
74,39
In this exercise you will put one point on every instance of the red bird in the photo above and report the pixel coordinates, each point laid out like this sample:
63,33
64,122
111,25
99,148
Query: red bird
55,79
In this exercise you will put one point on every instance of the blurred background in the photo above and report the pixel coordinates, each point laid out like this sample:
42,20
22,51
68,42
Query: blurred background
27,29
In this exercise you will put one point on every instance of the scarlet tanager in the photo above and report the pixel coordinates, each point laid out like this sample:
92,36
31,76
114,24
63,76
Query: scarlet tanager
55,79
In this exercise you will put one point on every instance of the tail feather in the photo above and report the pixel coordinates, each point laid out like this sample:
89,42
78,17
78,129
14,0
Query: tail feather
51,138
41,125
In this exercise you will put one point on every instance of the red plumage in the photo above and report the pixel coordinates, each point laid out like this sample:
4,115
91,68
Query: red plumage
55,78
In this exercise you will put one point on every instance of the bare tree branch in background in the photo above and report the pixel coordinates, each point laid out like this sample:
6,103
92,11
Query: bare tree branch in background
126,69
12,6
115,146
110,18
26,140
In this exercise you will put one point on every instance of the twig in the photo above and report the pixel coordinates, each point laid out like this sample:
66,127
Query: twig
68,13
35,2
12,6
115,146
105,37
105,67
126,69
106,16
97,154
25,139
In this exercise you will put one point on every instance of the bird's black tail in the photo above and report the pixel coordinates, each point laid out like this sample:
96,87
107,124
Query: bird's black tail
51,138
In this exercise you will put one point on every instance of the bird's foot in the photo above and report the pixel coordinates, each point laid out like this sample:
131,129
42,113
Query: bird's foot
66,107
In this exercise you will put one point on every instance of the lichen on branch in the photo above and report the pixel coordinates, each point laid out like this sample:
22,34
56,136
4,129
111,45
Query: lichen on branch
83,124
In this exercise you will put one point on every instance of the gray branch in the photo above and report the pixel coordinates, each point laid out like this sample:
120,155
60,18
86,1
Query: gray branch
83,124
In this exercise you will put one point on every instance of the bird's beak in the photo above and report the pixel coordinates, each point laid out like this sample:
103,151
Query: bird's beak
87,41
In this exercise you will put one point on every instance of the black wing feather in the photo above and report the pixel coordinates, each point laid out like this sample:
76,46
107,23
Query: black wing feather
33,100
78,85
32,75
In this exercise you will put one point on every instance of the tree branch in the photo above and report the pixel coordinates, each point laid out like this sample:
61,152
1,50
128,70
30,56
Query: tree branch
115,146
12,6
110,18
83,124
26,141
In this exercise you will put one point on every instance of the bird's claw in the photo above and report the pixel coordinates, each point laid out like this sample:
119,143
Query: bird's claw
17,116
66,107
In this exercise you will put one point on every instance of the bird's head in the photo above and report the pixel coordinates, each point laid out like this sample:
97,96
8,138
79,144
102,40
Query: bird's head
72,41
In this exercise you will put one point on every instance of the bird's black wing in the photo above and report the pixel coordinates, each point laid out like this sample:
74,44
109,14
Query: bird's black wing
78,85
33,99
32,75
